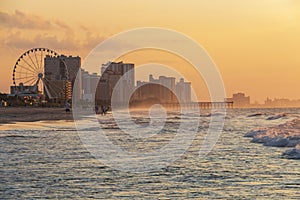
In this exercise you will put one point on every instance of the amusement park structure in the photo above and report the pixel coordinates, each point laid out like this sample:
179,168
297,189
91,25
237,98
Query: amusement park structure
31,78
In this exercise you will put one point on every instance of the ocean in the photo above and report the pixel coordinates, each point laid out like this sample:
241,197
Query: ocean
48,159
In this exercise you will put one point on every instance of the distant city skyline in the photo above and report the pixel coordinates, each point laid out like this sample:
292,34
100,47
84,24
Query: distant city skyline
89,81
255,43
253,100
59,72
246,100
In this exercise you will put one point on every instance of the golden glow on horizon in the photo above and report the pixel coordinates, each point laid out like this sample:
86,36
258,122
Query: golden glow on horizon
172,61
255,44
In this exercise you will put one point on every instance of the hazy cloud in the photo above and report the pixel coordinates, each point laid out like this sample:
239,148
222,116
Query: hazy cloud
23,20
17,40
23,31
61,24
66,42
91,39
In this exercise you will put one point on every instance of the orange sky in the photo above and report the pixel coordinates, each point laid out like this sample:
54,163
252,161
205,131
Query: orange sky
255,43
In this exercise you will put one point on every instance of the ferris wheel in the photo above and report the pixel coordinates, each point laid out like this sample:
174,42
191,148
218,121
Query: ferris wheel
29,74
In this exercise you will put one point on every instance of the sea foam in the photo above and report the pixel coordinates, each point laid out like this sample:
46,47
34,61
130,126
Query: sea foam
283,135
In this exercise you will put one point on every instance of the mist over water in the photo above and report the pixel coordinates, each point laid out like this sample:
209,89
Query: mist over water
48,160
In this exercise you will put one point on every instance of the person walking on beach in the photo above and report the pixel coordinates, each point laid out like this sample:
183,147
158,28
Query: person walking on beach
67,106
96,109
104,110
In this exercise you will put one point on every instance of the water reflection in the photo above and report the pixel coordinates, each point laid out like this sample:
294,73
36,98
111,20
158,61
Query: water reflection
48,160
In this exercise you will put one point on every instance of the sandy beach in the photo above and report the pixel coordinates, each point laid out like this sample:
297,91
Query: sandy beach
30,114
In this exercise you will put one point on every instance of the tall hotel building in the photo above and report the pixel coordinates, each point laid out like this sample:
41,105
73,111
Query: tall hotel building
60,75
89,85
111,73
183,91
163,90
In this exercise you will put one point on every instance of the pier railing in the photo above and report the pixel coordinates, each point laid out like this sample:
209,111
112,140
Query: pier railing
201,105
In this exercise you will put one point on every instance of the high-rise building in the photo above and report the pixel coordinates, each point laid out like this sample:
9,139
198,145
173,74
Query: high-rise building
58,72
111,73
183,91
152,93
167,93
161,90
89,85
55,67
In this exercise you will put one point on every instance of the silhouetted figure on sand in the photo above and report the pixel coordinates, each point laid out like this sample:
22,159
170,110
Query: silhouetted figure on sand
104,110
96,109
67,106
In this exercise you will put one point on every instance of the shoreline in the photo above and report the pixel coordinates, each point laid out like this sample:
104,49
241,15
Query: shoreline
10,115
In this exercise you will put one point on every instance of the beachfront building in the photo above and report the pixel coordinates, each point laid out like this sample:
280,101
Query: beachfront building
163,90
21,88
111,74
183,91
166,93
281,103
152,93
60,73
89,85
239,100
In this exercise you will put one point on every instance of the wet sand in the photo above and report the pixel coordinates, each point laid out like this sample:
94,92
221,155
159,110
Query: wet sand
30,114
